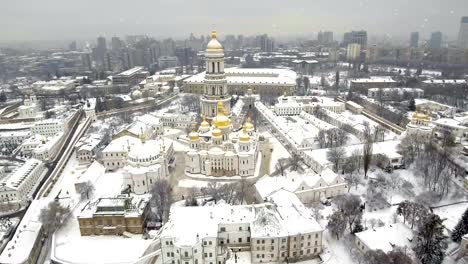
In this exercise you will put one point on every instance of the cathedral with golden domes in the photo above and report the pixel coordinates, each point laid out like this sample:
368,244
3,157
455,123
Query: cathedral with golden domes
217,150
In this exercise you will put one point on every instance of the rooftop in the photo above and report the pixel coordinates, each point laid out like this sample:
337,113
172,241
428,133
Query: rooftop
386,238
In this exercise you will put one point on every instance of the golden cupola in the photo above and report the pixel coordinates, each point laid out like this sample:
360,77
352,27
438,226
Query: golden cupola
216,132
204,123
214,45
194,134
221,121
248,126
244,137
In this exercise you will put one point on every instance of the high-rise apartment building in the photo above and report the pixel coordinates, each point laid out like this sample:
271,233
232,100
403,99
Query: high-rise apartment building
414,41
325,37
101,49
266,44
356,37
463,34
436,40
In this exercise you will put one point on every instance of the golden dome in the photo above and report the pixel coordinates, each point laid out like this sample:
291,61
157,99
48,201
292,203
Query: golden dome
244,137
221,121
248,125
205,123
216,132
214,44
421,116
193,135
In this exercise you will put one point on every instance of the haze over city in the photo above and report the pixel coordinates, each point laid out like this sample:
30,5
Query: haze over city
25,20
234,132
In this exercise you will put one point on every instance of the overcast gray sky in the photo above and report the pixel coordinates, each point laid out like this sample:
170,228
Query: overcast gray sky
81,19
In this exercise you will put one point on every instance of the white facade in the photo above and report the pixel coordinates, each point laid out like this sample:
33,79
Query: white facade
50,127
420,126
48,149
265,81
114,155
273,232
87,147
20,184
173,120
308,188
451,126
147,161
353,51
294,105
30,107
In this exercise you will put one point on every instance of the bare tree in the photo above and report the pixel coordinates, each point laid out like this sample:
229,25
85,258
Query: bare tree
316,208
86,189
336,156
282,165
337,224
190,102
244,190
53,216
350,206
367,149
161,198
295,162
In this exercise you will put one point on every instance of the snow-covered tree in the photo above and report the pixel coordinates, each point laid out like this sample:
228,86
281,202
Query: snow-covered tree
336,156
53,216
86,189
350,206
367,148
430,242
412,212
461,228
337,224
161,197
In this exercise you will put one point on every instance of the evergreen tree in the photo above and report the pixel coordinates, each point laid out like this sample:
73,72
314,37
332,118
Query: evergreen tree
412,105
3,97
430,241
337,224
461,228
358,227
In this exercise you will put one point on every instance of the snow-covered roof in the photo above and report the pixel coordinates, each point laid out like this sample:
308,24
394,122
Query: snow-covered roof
374,79
386,238
445,81
130,71
17,177
252,76
292,181
296,218
19,247
449,122
121,144
288,216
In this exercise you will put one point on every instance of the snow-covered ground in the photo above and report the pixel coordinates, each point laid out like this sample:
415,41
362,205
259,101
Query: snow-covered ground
99,249
279,151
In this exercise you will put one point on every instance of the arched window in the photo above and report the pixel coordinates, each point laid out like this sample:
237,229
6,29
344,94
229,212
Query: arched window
219,69
213,90
213,67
